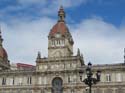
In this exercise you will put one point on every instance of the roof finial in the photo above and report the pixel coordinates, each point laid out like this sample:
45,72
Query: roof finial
78,52
1,39
124,55
38,55
0,30
61,14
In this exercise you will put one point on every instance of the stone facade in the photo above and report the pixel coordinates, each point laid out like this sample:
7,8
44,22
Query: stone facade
59,73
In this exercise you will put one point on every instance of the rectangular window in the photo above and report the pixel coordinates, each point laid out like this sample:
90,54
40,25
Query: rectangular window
69,79
56,42
13,80
4,81
63,42
52,43
108,77
59,42
29,80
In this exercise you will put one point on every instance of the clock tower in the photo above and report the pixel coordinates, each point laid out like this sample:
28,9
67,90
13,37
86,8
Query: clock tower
60,42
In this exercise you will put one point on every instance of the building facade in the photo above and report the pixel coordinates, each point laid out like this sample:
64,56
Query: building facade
59,72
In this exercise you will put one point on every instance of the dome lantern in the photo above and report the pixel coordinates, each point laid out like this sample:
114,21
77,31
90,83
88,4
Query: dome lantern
61,14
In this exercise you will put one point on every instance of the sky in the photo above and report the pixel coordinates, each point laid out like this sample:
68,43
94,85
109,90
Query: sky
97,27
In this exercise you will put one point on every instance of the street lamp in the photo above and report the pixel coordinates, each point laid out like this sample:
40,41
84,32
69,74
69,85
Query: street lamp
90,80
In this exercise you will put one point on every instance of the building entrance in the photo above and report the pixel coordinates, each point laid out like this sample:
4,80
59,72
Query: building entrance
57,85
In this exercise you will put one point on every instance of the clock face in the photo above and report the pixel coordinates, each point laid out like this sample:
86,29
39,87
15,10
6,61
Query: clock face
57,35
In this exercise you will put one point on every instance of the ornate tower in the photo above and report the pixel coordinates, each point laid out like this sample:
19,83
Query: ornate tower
60,42
4,62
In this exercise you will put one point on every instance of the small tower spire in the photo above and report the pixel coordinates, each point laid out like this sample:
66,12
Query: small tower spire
78,52
124,55
38,55
61,14
1,39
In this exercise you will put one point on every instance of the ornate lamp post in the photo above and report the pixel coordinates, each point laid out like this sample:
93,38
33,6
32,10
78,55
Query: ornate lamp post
90,80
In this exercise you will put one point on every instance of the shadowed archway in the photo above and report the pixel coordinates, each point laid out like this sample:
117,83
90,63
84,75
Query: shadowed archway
57,85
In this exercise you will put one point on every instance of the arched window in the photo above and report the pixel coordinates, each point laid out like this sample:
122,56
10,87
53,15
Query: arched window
4,81
63,42
57,85
52,43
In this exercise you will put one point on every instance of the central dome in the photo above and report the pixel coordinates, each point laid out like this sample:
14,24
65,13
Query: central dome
60,27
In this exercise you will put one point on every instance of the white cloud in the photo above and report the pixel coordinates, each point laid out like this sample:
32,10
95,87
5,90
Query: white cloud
99,41
23,40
